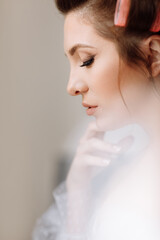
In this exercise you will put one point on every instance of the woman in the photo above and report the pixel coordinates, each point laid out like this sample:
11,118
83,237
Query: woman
112,189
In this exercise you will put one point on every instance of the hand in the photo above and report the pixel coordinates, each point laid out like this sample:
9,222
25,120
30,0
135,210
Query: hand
93,154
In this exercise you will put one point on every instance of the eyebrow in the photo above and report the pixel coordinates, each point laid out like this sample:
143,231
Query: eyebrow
77,46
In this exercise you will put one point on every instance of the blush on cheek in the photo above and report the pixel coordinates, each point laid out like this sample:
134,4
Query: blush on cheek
107,76
109,92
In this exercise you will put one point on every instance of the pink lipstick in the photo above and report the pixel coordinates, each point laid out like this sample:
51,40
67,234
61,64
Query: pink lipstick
90,109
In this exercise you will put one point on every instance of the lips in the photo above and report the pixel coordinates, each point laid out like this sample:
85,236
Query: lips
90,108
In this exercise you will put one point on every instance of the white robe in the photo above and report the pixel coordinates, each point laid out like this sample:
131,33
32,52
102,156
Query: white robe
123,199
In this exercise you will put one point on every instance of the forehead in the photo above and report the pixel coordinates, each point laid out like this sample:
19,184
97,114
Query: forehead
77,30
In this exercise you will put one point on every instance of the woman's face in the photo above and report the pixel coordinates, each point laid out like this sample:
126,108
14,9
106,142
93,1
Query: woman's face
95,72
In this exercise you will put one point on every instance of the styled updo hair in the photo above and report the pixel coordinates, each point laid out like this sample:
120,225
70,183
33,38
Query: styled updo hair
100,13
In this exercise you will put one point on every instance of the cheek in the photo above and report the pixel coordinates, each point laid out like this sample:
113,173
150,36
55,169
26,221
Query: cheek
113,113
105,77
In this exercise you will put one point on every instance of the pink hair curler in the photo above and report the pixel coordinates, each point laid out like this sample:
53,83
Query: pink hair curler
156,25
121,15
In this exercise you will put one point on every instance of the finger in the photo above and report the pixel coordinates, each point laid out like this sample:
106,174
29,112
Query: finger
96,145
96,161
93,131
100,145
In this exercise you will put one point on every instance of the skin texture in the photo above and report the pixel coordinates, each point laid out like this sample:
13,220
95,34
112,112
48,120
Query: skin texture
99,83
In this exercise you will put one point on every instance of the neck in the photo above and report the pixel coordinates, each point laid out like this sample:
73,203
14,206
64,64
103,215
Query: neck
150,118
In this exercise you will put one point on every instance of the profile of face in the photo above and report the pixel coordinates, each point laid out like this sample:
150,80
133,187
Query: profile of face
95,72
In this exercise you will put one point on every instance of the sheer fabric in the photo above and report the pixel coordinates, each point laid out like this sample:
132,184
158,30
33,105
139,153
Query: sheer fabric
54,224
117,205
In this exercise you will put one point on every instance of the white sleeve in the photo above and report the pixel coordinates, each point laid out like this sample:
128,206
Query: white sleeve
53,225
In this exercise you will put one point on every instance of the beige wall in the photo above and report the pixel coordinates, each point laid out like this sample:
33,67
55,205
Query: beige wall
35,111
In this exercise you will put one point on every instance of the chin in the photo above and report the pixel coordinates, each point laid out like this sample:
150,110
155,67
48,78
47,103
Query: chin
109,124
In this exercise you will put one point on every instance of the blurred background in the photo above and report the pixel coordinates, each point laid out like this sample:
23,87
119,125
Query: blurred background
40,124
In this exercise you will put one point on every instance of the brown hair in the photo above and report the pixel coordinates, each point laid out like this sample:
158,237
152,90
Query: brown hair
100,13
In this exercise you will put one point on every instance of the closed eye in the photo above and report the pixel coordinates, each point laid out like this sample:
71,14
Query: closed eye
87,63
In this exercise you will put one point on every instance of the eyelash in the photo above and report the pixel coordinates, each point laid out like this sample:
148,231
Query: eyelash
87,63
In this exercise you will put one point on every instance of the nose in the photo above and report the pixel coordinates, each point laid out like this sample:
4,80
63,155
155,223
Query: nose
76,86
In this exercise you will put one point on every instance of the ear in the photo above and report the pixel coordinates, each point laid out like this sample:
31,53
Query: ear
153,43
